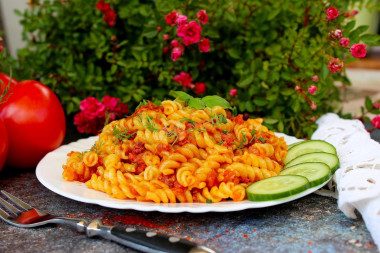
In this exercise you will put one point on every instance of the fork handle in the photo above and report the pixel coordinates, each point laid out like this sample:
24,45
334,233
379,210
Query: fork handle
145,241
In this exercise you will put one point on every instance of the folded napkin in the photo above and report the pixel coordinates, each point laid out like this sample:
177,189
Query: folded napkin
357,181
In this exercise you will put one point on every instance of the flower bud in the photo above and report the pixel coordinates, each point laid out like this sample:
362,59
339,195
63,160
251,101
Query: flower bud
312,89
233,92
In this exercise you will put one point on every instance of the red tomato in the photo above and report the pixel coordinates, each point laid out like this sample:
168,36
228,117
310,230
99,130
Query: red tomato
3,144
35,123
4,81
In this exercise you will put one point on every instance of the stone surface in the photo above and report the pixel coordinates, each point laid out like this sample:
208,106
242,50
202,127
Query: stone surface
310,224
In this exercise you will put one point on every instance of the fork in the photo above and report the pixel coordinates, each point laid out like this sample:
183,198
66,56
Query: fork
20,214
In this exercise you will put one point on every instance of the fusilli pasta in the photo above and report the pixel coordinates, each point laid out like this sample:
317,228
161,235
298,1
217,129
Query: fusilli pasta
173,153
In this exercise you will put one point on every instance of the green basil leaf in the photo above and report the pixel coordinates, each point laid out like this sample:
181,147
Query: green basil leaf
182,95
196,103
214,100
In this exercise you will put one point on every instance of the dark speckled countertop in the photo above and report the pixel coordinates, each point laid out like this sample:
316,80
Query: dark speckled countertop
310,224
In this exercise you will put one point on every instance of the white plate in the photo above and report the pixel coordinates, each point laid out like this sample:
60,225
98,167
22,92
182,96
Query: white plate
49,173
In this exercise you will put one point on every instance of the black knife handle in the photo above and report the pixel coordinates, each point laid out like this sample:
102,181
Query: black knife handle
151,241
146,241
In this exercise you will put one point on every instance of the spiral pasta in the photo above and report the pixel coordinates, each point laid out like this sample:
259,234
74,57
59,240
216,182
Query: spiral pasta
173,153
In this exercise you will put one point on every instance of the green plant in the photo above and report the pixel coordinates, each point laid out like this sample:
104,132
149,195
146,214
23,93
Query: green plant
267,52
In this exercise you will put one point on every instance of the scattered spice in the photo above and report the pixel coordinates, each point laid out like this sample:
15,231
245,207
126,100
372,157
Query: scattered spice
227,231
219,235
310,243
38,240
245,235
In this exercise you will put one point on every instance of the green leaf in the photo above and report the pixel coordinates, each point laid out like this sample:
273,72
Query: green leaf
270,121
245,82
196,103
249,106
234,53
211,101
359,30
182,95
350,25
280,126
260,101
368,103
150,34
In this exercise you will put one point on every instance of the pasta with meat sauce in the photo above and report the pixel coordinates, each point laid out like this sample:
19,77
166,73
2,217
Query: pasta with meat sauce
173,153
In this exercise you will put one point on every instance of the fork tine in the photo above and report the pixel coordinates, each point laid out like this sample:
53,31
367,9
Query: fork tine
17,201
13,210
3,214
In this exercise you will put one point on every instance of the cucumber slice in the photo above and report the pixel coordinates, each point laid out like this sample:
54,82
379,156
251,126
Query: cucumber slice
276,187
330,159
316,172
293,144
309,146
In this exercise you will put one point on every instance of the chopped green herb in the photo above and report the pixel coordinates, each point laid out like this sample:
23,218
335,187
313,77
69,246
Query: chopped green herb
192,122
218,119
150,124
225,131
242,142
220,143
120,136
253,133
222,119
171,134
201,130
263,140
208,201
142,103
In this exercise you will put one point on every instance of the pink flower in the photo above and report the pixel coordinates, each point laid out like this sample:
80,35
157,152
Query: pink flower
191,33
376,122
204,45
121,110
159,28
332,13
312,89
335,65
165,50
184,79
171,18
202,17
313,105
103,7
110,17
354,12
181,20
358,50
174,43
315,78
344,42
110,102
233,92
1,48
176,53
376,105
165,36
337,34
92,108
200,88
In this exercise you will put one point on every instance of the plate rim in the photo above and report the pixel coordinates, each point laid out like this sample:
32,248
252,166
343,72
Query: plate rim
106,201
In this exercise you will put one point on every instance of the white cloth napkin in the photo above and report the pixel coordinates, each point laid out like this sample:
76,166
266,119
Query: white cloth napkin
358,178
